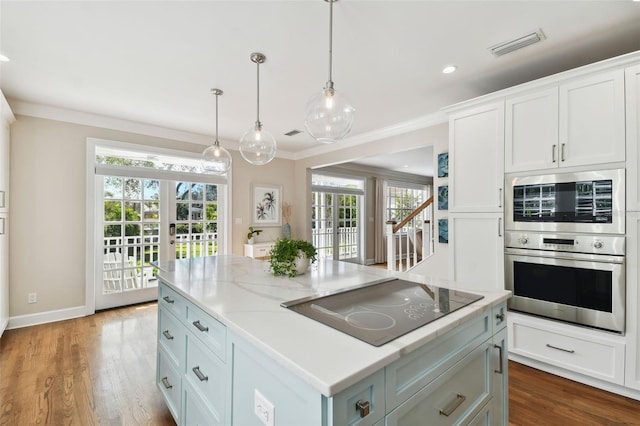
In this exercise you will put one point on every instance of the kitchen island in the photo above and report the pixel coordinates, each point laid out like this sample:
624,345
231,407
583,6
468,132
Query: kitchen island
229,353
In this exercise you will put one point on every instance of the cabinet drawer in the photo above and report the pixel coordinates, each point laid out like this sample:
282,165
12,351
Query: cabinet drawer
453,398
196,411
585,351
499,317
171,336
412,372
261,251
206,373
362,404
212,332
168,381
172,301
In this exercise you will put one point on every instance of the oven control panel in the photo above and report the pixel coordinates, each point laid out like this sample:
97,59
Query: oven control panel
578,243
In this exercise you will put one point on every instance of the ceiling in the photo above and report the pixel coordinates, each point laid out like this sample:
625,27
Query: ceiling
154,62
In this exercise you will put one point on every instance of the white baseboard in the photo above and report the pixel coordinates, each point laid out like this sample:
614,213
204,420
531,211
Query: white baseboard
369,262
46,317
4,325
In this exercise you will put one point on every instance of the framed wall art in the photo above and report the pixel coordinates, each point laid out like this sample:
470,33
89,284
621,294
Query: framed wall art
443,164
443,231
266,205
443,197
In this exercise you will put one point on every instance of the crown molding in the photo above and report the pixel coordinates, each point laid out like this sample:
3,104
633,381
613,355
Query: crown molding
96,120
5,109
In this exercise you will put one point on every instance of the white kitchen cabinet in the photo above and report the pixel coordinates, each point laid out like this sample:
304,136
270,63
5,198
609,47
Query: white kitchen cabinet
578,123
589,352
632,98
4,272
531,131
6,118
632,358
500,367
476,155
476,250
592,120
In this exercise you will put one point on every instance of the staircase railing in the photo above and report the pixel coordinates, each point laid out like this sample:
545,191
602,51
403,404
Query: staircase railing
406,249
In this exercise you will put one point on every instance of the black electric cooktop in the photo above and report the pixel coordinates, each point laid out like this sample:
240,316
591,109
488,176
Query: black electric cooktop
380,312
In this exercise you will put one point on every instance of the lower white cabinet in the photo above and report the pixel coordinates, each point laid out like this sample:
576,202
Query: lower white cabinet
216,378
632,367
585,351
258,250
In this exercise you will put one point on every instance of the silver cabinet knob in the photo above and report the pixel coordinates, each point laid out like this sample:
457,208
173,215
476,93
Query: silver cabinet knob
597,244
524,240
363,407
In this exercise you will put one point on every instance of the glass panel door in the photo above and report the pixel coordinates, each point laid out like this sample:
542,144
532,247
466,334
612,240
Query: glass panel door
335,225
196,219
130,240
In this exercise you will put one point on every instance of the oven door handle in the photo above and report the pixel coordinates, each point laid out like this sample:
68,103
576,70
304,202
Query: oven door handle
580,257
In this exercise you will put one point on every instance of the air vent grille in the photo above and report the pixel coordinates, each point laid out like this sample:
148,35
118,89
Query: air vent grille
293,132
518,43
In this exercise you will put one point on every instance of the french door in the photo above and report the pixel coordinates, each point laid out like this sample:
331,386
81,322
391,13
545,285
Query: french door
147,204
336,229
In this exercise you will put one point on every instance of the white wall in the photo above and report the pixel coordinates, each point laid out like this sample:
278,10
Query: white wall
48,181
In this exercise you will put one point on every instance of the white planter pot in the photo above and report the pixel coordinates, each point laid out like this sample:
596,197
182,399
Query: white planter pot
251,240
302,263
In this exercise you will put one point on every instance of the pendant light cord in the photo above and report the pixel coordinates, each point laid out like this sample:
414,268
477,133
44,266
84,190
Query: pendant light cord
258,124
330,82
217,143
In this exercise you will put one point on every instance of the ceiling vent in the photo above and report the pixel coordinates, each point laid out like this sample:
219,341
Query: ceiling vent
293,132
518,43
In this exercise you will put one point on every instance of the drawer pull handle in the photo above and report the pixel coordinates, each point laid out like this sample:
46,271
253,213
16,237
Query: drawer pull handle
167,335
200,326
363,407
553,153
499,348
168,299
166,383
199,374
500,317
561,349
562,152
449,409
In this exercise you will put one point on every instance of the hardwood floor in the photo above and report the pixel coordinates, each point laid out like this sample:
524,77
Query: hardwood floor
537,398
100,370
97,370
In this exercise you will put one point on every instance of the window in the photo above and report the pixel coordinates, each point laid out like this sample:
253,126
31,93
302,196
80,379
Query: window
402,199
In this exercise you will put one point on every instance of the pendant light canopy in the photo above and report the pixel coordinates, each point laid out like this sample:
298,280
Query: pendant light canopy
216,159
258,146
329,116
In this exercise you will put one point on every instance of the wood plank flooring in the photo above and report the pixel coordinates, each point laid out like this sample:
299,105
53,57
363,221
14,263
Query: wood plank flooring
100,370
97,370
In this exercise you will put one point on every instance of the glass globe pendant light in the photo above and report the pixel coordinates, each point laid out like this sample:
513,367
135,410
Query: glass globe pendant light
258,146
216,159
329,116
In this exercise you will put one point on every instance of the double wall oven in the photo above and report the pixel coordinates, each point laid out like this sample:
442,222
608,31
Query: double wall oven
565,247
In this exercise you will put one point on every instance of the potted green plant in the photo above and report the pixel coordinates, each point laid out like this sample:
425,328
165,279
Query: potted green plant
291,257
251,233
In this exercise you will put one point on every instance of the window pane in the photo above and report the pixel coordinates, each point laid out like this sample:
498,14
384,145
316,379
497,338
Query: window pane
113,230
112,187
151,211
132,189
182,229
212,212
212,193
132,211
196,191
112,211
151,189
132,231
182,190
182,211
196,211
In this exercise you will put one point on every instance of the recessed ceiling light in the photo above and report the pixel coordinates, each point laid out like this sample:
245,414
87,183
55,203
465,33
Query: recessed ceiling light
4,58
406,166
449,69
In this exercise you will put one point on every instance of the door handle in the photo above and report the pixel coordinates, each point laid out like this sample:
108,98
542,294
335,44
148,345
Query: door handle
562,152
499,227
553,153
499,348
500,197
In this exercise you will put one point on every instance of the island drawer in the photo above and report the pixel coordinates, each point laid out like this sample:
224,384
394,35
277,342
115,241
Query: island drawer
452,398
197,411
168,381
171,336
172,301
586,351
362,404
211,331
417,369
206,373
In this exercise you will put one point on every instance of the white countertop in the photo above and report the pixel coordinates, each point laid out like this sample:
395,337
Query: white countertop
244,296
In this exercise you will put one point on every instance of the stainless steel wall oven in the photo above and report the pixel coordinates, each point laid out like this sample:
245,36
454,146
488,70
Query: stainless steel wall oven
565,247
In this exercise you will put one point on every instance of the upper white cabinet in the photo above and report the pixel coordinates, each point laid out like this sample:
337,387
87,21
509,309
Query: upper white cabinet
531,131
592,120
6,118
574,124
476,155
632,96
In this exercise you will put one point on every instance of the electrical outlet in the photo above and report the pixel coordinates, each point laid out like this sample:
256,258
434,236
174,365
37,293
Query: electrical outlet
263,409
33,298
